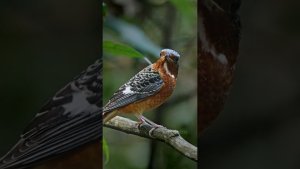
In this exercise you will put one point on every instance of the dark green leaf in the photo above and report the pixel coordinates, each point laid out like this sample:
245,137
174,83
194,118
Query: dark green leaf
117,49
134,36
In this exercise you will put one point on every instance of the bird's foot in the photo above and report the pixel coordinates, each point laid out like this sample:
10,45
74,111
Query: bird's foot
140,123
146,125
151,132
149,122
154,127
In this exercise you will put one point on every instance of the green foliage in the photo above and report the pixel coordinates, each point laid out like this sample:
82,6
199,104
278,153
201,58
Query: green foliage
117,49
186,8
105,149
134,36
104,9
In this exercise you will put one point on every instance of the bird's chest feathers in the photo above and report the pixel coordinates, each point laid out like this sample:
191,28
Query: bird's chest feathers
169,75
167,70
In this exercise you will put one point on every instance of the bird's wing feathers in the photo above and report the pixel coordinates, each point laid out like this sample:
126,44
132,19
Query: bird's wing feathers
70,119
144,84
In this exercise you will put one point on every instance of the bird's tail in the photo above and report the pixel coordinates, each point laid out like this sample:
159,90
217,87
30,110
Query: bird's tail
109,115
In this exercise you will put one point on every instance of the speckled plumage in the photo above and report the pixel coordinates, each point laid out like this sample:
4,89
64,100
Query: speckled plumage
146,90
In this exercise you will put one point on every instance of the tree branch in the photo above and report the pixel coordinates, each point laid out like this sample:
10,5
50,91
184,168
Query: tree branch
170,137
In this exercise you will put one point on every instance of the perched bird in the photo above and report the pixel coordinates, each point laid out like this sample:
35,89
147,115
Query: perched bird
67,130
146,90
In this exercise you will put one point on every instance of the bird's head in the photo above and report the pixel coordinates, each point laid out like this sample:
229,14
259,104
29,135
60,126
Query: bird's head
171,56
170,59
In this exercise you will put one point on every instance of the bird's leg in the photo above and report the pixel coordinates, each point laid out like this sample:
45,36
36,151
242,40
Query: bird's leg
141,120
154,125
151,122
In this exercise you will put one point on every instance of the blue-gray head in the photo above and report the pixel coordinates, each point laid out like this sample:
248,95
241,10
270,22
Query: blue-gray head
171,55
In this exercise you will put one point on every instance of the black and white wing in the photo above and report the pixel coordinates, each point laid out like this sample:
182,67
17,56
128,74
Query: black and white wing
70,119
144,84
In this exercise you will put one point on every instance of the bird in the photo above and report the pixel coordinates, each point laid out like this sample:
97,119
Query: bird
66,132
146,90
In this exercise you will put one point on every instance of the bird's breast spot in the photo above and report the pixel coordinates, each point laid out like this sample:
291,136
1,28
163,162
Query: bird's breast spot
127,90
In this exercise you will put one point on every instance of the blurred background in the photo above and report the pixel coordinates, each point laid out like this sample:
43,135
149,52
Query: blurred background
43,45
260,125
149,26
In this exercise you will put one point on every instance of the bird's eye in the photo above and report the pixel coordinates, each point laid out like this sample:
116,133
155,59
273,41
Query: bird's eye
161,53
175,58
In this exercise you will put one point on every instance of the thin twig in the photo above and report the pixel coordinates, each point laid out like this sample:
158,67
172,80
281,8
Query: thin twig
170,137
147,60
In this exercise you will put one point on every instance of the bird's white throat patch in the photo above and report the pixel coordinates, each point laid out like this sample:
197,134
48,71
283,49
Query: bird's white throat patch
167,70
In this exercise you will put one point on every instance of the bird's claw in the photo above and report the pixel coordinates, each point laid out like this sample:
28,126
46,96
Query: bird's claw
154,127
151,131
142,125
138,124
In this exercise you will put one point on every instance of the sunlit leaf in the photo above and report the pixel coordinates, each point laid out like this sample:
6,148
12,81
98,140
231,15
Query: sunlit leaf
117,49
